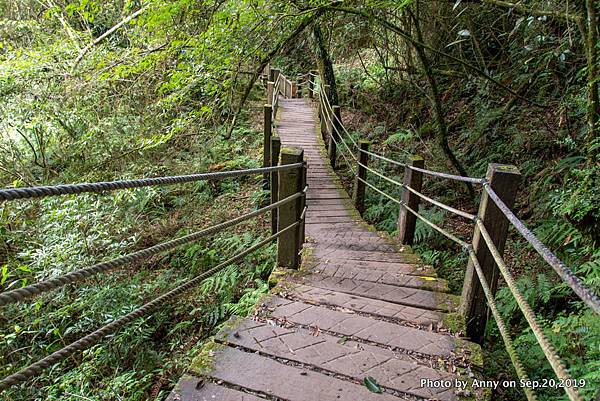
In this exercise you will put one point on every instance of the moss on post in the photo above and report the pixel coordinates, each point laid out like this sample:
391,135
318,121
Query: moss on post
290,182
336,129
275,149
268,114
504,180
406,220
358,192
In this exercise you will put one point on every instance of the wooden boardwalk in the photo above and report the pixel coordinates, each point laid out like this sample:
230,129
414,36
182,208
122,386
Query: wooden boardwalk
360,307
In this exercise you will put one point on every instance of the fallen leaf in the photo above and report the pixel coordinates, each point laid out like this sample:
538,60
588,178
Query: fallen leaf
372,385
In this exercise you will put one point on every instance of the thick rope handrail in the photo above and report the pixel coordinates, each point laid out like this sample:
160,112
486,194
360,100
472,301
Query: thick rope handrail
435,226
31,290
9,194
584,293
448,176
94,337
377,156
326,99
403,204
441,205
551,355
508,344
402,185
424,171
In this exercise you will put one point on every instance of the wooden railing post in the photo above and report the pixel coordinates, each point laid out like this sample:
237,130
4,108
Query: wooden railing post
267,130
290,182
358,191
504,180
302,231
406,220
299,86
293,90
274,74
270,92
324,117
275,148
336,129
310,83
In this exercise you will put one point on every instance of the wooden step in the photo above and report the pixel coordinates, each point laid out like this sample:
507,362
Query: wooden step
383,334
381,277
401,295
346,358
272,378
385,310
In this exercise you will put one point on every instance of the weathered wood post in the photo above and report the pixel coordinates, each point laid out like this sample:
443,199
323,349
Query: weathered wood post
270,92
406,220
310,83
303,183
358,191
299,86
290,182
336,129
504,180
275,148
274,74
268,114
320,115
294,89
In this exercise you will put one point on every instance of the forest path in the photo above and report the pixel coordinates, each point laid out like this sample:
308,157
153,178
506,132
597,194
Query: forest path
360,306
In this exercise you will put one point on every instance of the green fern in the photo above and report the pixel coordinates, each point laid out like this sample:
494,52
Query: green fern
423,232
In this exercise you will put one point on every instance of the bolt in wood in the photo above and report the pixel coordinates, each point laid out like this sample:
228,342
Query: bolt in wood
504,180
406,220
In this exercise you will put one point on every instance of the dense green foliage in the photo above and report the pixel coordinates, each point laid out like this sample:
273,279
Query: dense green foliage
150,100
169,92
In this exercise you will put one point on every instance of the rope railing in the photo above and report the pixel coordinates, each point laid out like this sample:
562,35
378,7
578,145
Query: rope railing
441,205
31,290
584,293
564,272
547,348
288,192
405,165
93,338
508,344
9,194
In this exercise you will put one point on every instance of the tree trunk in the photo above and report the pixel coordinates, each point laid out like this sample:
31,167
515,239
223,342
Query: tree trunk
591,43
438,110
324,64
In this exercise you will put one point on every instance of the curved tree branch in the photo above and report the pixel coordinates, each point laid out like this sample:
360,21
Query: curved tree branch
394,28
